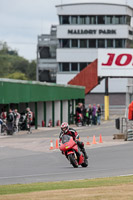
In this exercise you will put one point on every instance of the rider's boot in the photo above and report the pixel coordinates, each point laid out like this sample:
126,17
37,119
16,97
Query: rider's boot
84,152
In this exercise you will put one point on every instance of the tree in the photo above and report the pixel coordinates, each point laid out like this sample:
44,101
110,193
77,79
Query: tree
31,71
17,75
14,66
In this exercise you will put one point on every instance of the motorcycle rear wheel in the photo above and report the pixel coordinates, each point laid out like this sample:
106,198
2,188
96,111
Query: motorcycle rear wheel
73,161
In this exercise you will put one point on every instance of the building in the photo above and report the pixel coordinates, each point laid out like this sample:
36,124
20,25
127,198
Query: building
82,29
48,101
46,56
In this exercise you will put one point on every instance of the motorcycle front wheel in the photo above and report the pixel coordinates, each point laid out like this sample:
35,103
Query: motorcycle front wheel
72,160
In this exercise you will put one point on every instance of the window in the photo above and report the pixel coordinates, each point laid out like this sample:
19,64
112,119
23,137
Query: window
92,19
65,67
74,19
101,19
60,67
44,52
65,43
118,43
83,19
65,20
109,19
128,18
92,43
119,20
60,19
110,43
60,43
101,43
83,43
74,43
74,66
82,66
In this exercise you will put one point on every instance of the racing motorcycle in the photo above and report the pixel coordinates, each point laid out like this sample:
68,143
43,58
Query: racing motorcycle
72,152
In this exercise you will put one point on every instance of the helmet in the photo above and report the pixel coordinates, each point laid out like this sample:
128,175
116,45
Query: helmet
64,127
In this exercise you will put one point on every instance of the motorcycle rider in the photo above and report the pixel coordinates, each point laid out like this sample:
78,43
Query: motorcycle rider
65,130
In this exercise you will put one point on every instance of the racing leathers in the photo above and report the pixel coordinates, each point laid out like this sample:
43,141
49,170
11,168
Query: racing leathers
73,133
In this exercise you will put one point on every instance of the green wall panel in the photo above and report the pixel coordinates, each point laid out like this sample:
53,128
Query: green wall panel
23,91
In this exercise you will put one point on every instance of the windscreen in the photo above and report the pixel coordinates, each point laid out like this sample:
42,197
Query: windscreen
65,138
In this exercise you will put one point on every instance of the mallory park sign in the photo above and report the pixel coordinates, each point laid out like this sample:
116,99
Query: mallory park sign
91,31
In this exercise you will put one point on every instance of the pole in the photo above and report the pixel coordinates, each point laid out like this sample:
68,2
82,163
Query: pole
106,100
37,65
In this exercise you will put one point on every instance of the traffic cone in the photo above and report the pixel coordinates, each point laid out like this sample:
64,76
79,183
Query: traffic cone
87,143
94,140
51,145
57,146
100,139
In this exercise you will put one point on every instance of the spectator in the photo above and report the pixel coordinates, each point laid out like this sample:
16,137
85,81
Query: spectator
79,116
94,114
84,115
3,115
16,119
98,114
29,118
10,116
90,115
10,122
1,122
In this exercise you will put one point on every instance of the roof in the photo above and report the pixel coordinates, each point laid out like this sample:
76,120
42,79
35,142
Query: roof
17,91
95,3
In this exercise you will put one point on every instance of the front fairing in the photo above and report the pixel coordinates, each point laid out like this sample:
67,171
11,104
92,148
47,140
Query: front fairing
67,143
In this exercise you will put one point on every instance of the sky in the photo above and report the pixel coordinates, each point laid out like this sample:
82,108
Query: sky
22,21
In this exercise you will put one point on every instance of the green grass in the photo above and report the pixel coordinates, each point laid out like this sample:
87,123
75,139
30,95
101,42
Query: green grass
99,182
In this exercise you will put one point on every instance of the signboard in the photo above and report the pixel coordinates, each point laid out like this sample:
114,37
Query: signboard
91,31
115,62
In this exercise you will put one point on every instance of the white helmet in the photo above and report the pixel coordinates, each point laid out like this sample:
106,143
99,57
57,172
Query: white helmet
64,127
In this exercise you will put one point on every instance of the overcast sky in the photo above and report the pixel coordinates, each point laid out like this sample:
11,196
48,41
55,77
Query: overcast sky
22,21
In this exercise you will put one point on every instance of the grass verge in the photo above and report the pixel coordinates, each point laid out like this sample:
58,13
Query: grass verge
91,183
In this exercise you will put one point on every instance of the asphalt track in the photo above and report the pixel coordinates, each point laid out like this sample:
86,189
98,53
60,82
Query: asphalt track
26,158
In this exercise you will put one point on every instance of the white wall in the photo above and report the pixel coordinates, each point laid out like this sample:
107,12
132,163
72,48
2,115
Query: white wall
115,85
63,78
57,112
65,111
77,55
40,113
48,112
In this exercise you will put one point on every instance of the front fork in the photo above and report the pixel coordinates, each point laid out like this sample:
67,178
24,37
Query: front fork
72,152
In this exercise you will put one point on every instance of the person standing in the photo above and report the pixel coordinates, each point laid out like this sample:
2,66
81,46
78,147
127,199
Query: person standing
10,122
98,114
94,114
1,122
29,118
84,122
3,115
90,114
79,117
16,119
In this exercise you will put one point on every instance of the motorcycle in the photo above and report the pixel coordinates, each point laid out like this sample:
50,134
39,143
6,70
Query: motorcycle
79,119
72,152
